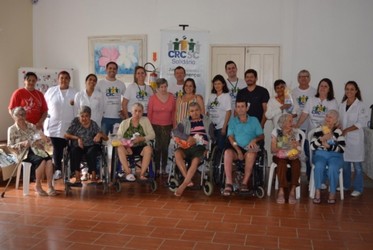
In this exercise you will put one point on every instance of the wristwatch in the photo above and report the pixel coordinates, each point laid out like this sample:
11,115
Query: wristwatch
234,143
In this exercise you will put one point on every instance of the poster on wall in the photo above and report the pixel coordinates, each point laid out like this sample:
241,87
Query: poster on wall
46,77
128,51
188,49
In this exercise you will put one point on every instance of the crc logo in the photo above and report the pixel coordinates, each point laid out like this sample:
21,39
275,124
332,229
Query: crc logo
184,48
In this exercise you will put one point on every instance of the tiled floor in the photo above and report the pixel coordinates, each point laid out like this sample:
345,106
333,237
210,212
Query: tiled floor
138,219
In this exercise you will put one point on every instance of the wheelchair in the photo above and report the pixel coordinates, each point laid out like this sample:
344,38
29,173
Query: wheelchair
103,171
257,178
175,177
134,163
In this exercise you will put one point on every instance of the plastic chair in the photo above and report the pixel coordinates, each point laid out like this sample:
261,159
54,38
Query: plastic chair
26,177
274,166
311,186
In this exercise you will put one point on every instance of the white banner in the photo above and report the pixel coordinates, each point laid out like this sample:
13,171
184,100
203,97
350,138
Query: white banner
190,50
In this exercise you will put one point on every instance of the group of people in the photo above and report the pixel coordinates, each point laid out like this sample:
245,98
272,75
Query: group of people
234,118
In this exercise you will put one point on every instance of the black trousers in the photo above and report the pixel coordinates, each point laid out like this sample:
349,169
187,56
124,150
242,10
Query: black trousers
58,145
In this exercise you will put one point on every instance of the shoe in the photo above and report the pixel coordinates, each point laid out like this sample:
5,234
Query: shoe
323,186
356,193
57,175
331,201
51,192
339,189
130,177
92,183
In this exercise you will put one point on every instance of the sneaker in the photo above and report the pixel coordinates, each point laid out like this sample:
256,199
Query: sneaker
57,175
355,193
323,186
339,189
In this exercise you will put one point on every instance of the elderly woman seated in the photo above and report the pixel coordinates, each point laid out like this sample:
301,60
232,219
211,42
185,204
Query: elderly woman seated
138,131
24,136
328,143
85,135
285,146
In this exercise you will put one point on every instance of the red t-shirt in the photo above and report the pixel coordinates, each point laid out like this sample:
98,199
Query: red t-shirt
161,113
32,101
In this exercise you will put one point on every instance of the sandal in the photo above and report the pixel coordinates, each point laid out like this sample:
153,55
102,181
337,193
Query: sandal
130,177
244,188
331,201
292,199
228,190
280,199
316,201
143,178
40,191
190,184
51,192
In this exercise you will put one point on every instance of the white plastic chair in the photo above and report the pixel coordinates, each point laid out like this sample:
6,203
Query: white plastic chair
26,177
311,186
274,166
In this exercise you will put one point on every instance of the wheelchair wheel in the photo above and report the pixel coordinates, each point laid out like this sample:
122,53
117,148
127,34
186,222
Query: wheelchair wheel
173,184
208,188
153,186
117,185
260,192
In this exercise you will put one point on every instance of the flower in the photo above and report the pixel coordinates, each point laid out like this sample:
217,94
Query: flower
108,54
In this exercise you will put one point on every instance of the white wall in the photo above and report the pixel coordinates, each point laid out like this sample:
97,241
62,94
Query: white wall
331,38
15,51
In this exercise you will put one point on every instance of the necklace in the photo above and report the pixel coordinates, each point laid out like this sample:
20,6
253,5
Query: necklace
142,93
234,88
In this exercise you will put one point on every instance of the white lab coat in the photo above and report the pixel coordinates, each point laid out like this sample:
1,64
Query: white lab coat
355,115
60,111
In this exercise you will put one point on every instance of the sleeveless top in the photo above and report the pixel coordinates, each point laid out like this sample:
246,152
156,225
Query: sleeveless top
182,109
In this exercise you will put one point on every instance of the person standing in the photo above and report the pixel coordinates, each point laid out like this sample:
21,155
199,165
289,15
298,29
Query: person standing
256,96
219,109
177,88
60,100
92,98
353,118
31,99
137,92
161,113
112,90
234,84
301,94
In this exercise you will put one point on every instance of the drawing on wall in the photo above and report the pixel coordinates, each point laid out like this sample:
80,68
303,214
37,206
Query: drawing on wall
46,77
127,51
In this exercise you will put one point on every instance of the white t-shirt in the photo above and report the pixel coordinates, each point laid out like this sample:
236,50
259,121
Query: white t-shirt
95,102
136,93
317,109
217,107
175,89
112,92
300,97
234,87
274,111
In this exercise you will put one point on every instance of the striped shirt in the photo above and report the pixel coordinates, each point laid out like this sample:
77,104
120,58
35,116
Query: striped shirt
337,142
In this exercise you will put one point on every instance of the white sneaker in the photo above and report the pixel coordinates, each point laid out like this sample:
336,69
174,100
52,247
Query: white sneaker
339,189
323,186
57,175
355,193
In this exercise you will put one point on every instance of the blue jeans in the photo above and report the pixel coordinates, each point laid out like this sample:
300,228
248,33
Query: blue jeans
358,179
107,124
332,160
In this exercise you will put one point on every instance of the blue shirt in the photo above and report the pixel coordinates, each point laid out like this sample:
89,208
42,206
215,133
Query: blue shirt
244,132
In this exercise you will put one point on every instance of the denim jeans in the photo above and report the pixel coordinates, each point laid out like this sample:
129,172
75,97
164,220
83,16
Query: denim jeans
107,124
358,178
333,161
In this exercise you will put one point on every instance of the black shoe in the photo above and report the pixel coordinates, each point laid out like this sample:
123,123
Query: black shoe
76,184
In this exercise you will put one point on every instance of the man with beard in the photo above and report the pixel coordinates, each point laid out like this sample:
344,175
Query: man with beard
256,97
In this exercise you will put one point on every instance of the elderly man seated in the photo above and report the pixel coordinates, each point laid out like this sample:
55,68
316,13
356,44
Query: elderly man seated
193,135
244,133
